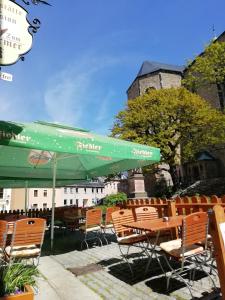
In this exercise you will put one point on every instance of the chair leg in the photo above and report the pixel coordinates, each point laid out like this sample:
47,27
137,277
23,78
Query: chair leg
200,266
84,241
99,234
96,237
124,256
103,232
176,273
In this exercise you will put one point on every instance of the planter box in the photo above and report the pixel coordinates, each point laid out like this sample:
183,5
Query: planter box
27,295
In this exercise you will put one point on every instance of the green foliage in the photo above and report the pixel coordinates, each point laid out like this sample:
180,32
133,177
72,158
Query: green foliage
162,190
208,68
168,118
113,199
14,277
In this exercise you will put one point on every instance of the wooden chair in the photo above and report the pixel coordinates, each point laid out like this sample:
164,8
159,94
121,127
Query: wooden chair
126,236
145,213
188,249
27,240
92,226
108,224
3,235
215,199
71,219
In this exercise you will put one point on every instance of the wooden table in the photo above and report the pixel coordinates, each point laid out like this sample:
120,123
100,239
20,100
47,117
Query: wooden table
156,225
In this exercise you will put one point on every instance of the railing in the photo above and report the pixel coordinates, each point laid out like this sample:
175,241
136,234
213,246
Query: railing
38,213
166,207
178,206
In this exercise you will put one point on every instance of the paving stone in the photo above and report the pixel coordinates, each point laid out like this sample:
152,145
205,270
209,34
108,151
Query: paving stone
115,282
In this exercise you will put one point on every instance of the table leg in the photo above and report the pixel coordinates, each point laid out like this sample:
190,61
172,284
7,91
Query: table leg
153,252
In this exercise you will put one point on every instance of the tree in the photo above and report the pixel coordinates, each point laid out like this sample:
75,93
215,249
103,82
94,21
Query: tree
168,118
208,68
114,199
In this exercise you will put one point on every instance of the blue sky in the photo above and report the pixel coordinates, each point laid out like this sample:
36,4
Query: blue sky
87,53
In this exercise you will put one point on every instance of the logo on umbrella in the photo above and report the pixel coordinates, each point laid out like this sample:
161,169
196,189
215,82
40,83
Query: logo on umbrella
142,152
38,157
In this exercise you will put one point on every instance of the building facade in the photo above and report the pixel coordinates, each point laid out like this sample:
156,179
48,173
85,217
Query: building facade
210,163
5,197
81,195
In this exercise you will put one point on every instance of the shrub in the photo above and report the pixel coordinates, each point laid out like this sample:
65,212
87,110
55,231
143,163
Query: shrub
114,199
14,277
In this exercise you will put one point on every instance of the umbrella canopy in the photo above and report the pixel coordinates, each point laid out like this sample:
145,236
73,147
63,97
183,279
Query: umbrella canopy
33,154
27,150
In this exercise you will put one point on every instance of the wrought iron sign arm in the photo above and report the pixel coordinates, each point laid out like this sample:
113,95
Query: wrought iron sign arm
35,2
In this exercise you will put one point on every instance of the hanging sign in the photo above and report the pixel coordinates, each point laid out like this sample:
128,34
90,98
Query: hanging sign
6,76
15,38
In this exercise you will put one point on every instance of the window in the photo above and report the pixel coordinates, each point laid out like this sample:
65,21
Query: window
85,190
35,206
101,190
71,190
44,205
92,190
65,201
1,193
77,202
71,201
221,94
65,190
97,190
77,191
45,193
149,89
35,193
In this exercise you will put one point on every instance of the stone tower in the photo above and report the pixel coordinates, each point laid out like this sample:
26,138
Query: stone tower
158,76
155,75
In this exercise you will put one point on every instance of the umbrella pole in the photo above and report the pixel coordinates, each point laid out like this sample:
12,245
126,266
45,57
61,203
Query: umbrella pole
53,199
26,197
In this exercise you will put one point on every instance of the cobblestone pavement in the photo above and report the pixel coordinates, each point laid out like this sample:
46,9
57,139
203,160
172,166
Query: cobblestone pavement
113,279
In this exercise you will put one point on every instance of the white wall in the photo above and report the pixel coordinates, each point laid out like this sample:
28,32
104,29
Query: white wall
5,199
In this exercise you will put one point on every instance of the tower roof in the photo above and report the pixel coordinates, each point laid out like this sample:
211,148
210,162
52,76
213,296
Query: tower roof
152,66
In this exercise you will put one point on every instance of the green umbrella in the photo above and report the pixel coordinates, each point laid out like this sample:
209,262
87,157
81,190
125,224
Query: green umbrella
43,151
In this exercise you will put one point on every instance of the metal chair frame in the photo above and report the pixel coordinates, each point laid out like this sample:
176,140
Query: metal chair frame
29,231
108,224
193,261
92,226
147,213
125,216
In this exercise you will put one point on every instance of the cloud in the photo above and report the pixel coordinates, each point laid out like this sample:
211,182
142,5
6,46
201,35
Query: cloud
78,94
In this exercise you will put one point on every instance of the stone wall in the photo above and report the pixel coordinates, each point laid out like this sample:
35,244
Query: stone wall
133,91
158,80
151,80
210,94
169,80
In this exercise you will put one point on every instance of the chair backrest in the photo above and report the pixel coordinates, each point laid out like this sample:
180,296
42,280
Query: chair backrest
3,233
109,211
215,199
204,199
194,229
28,231
71,213
145,213
93,217
122,216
